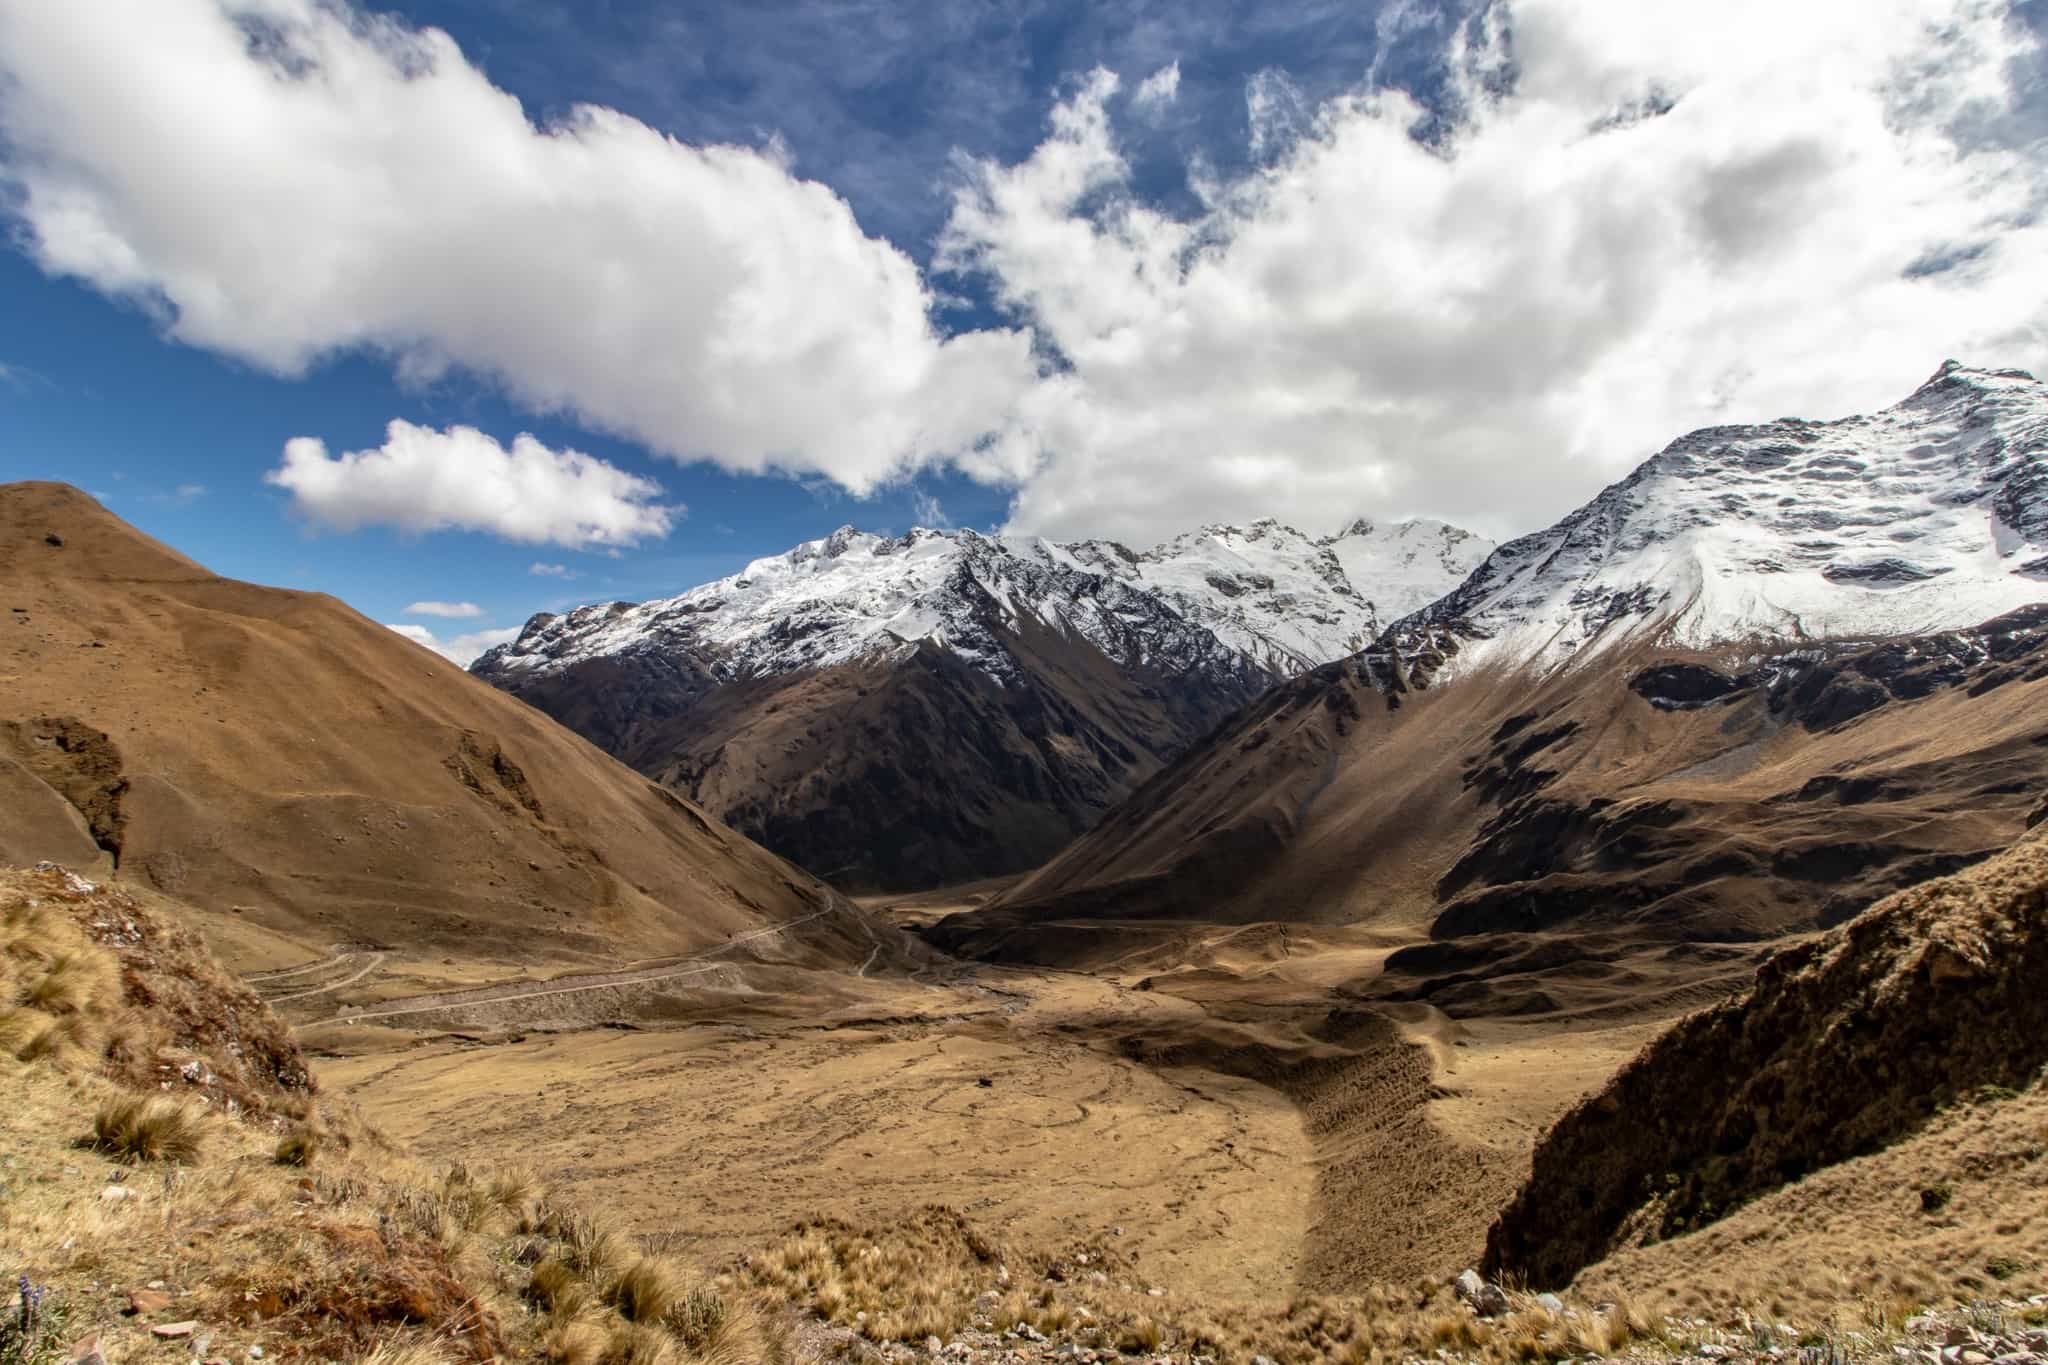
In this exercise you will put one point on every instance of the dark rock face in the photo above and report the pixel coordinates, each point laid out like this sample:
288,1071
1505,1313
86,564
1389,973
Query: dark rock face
900,774
1683,686
1878,572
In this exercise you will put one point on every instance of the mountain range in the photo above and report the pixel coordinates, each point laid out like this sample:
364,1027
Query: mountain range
1775,673
944,705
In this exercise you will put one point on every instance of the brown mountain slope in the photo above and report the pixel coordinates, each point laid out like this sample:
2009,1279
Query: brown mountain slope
1843,1046
308,777
1545,834
901,772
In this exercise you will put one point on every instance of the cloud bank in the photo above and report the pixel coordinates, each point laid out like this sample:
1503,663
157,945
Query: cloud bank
423,480
1616,222
282,180
1631,222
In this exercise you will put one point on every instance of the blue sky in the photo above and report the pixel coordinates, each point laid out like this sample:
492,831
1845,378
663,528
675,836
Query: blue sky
874,99
1092,268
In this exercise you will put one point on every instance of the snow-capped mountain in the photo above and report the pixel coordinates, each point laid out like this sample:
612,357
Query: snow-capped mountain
944,705
1928,516
1288,600
1211,601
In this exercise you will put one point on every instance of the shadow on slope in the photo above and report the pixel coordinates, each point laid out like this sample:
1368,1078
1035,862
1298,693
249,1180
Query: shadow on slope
1844,1045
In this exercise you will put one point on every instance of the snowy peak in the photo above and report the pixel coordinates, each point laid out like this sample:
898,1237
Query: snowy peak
1931,515
1219,600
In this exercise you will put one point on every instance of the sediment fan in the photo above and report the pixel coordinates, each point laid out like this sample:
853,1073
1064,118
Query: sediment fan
1775,673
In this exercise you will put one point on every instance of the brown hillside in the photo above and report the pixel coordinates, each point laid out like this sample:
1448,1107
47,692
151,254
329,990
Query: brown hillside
1844,1045
296,770
897,773
1550,841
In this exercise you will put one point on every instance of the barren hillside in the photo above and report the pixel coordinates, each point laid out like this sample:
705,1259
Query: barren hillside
306,777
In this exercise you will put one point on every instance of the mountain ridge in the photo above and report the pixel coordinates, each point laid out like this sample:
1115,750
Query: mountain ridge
898,712
1538,801
1929,515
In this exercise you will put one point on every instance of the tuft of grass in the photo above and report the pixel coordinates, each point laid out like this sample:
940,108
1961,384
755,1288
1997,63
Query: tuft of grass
147,1128
646,1291
558,1288
578,1342
1141,1336
297,1148
404,1353
69,982
635,1343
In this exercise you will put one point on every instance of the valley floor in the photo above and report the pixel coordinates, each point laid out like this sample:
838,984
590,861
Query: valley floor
1222,1126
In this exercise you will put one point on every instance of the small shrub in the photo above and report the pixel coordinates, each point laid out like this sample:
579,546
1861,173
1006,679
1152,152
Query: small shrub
1934,1198
1993,1094
700,1319
147,1128
2003,1267
32,1328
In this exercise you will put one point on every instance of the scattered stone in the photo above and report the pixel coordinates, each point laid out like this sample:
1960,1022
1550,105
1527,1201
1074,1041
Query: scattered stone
1551,1303
113,1194
174,1331
933,1345
255,1353
145,1302
1487,1300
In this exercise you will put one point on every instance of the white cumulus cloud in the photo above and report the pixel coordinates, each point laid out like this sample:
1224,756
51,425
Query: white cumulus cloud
1622,221
282,180
463,649
540,570
422,479
453,610
1636,220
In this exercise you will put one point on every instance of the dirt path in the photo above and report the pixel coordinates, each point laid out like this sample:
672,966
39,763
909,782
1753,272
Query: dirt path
577,983
370,961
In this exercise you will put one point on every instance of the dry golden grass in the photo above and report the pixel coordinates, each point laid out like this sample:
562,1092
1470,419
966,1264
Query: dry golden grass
148,1128
297,1148
646,1290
